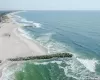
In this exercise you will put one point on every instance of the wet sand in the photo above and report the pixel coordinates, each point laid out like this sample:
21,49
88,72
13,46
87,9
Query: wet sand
12,44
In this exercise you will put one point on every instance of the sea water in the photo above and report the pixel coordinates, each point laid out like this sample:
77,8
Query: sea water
76,32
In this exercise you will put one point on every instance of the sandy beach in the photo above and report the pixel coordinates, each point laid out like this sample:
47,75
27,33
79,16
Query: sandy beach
12,44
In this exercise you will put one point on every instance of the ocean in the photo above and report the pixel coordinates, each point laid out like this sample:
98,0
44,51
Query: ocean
76,32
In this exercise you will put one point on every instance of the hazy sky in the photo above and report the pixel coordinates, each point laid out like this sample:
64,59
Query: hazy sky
50,4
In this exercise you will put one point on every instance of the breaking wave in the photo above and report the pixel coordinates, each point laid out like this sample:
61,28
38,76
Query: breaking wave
76,68
24,22
53,69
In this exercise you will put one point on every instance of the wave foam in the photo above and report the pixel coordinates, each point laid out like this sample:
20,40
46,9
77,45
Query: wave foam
37,25
45,63
78,71
71,66
24,34
89,64
24,22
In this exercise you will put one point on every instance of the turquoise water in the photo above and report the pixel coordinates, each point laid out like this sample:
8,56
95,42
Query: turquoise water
77,32
53,69
50,71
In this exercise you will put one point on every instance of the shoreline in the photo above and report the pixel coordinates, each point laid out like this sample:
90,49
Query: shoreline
13,44
33,47
24,47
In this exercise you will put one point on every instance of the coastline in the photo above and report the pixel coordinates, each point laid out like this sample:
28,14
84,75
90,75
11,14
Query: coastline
16,45
28,47
13,44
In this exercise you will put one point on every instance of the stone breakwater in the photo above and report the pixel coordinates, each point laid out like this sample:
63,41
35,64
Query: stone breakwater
58,55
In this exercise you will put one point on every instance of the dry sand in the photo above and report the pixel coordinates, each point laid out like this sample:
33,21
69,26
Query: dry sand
12,44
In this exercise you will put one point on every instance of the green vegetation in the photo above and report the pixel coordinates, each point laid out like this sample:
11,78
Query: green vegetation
3,16
58,55
0,61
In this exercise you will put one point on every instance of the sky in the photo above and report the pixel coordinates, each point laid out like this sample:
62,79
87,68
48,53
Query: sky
49,4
